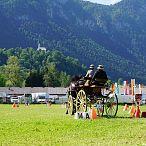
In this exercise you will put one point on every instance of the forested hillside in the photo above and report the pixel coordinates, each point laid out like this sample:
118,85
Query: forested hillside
112,35
36,68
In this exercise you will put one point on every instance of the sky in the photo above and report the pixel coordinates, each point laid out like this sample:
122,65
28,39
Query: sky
105,2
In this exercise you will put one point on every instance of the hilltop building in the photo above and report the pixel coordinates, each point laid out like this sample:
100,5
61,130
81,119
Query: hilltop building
41,48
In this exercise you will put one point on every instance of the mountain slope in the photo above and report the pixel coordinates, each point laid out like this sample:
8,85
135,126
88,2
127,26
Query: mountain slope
110,35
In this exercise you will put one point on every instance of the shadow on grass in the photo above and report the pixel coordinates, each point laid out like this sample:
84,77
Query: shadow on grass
120,117
117,117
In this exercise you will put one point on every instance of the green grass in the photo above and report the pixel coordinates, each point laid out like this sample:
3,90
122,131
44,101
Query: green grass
39,125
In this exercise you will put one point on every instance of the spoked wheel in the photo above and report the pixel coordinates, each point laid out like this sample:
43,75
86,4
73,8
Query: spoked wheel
111,105
71,106
81,101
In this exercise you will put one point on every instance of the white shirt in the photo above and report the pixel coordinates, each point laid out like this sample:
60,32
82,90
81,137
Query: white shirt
90,73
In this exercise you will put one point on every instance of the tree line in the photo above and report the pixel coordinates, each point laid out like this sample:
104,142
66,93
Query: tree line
110,35
32,68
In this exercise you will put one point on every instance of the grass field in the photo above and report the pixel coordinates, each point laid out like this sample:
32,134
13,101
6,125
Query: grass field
39,125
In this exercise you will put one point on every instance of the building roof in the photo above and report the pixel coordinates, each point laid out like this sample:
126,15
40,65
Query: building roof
29,90
50,90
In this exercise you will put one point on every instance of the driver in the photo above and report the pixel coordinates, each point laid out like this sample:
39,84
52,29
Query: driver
100,74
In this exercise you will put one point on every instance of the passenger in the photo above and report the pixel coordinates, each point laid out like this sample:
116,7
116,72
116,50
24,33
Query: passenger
90,72
100,74
89,75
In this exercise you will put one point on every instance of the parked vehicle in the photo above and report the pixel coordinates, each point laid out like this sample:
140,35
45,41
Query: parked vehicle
3,97
8,99
15,99
61,99
40,97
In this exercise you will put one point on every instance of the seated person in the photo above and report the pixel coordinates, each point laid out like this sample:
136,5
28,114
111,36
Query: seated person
90,72
100,76
89,75
78,80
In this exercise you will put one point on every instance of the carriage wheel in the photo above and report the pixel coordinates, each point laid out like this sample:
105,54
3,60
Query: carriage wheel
71,106
111,105
81,103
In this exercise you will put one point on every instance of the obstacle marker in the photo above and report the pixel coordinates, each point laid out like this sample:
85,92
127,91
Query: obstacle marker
133,86
86,115
14,105
128,89
93,113
78,115
125,107
137,112
82,115
125,87
140,89
132,111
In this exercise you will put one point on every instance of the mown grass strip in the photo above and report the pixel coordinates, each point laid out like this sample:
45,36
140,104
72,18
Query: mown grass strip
39,125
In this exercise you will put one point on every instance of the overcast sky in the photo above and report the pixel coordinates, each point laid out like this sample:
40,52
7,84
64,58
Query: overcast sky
106,2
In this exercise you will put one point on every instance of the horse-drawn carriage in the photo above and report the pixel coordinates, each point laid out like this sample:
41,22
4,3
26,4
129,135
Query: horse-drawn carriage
84,94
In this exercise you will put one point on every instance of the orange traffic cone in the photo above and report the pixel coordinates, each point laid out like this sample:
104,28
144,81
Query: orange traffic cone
137,113
93,113
132,111
14,105
125,107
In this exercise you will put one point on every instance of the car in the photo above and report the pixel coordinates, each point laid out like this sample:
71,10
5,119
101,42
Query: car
41,99
15,99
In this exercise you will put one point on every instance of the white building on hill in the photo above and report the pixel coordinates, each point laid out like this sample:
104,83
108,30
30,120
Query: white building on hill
41,48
